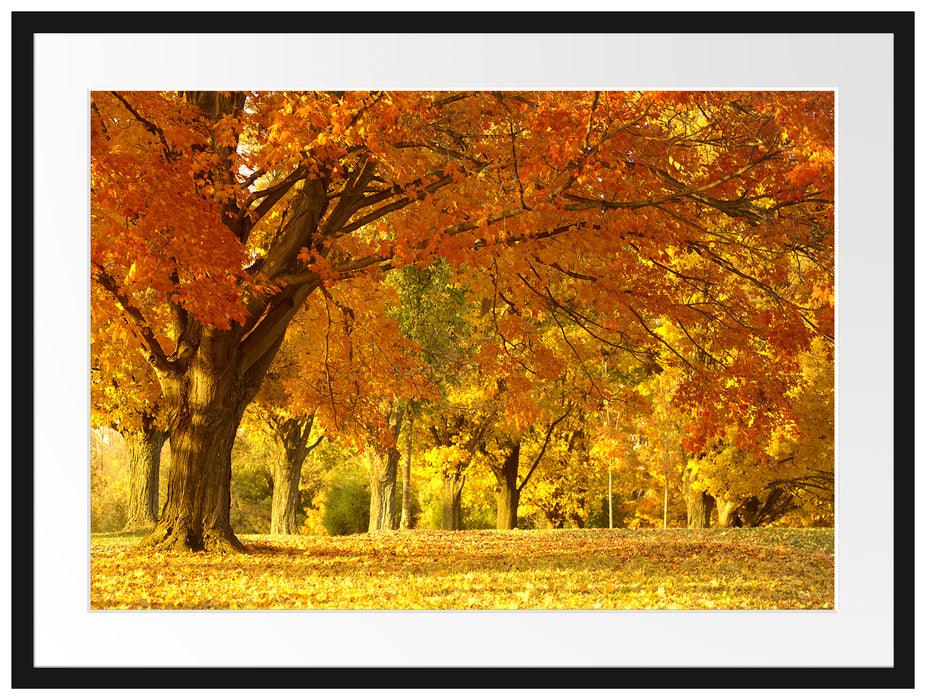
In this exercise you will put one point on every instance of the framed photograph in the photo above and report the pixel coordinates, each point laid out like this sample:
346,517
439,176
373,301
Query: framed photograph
864,59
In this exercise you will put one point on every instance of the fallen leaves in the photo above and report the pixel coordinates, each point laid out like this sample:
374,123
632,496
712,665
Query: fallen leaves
429,569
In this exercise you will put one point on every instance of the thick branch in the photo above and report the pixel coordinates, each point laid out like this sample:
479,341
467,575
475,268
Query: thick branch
307,208
155,354
272,325
394,206
470,225
351,197
273,194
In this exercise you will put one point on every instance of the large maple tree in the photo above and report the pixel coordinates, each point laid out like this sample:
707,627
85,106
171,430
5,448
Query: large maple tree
216,216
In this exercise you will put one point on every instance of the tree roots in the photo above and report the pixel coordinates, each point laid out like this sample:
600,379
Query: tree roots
180,537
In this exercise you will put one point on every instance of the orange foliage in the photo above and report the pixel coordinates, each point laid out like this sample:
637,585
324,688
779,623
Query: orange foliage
644,230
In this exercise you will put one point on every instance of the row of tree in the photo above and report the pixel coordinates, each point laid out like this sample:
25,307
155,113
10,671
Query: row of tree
563,462
621,483
535,283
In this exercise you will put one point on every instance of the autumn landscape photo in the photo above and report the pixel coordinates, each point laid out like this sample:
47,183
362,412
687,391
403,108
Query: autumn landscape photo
562,350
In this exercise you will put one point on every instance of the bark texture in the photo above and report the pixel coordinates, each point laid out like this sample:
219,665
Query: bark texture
698,503
507,493
144,447
384,470
384,467
726,512
451,496
292,437
205,406
405,522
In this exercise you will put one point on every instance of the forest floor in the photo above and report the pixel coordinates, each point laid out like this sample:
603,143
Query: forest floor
768,568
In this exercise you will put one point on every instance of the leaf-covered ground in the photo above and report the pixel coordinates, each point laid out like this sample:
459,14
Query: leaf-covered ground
430,569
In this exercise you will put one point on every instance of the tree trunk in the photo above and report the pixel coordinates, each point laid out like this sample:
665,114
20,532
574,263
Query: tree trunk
698,503
507,493
577,520
284,505
384,468
726,512
406,522
292,439
205,406
451,493
144,448
213,373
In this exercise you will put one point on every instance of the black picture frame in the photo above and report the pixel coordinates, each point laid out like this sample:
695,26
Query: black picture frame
26,26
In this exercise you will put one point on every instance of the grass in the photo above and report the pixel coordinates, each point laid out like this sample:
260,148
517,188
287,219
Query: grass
770,568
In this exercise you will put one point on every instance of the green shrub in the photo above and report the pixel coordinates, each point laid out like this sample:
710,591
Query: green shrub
347,505
252,483
599,516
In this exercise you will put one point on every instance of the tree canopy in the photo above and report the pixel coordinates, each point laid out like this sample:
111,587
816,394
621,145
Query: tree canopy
602,235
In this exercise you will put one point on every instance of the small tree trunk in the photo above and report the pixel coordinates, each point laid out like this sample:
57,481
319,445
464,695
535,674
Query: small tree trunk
144,448
699,504
451,496
726,511
384,468
406,521
507,494
292,440
286,473
577,520
285,502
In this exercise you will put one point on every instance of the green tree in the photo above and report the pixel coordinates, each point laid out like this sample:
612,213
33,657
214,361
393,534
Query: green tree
347,500
430,315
